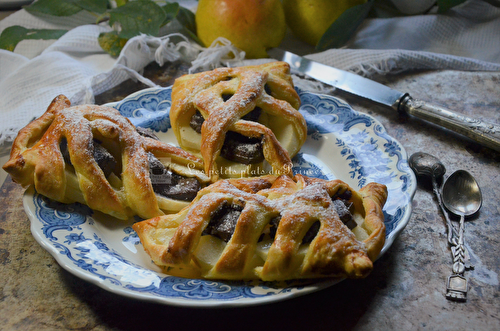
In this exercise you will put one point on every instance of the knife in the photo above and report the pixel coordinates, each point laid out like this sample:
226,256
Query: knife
487,134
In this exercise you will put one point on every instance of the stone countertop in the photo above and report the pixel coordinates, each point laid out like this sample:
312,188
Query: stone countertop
405,291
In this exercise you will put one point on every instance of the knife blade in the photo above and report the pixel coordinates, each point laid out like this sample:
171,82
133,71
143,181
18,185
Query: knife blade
487,134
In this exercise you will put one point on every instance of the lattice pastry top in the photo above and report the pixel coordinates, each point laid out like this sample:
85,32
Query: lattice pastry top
93,155
236,118
271,228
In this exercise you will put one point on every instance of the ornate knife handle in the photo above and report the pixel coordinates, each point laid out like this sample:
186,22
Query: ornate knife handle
487,134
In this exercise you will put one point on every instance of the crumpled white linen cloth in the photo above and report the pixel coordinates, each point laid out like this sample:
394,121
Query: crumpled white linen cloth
466,38
75,65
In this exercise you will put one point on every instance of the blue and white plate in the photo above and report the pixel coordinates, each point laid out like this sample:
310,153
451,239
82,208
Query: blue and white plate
341,143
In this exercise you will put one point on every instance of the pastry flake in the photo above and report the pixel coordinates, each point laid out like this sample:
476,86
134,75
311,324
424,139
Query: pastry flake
278,229
93,155
237,118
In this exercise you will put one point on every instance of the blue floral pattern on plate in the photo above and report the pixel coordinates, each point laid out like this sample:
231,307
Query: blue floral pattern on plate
342,143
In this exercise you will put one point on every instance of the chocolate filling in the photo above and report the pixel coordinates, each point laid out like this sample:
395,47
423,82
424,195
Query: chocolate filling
311,233
275,221
308,237
254,115
104,159
101,155
196,121
237,147
223,221
344,213
346,195
170,184
343,206
164,181
146,132
63,146
242,149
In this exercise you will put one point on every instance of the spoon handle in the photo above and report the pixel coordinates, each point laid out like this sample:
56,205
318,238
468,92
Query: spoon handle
459,250
451,229
457,284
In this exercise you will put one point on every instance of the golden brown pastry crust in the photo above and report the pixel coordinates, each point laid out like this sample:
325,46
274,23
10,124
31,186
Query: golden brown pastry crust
36,159
282,127
176,243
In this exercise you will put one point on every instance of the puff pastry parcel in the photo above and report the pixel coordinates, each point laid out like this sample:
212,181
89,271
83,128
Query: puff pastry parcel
271,228
236,118
93,155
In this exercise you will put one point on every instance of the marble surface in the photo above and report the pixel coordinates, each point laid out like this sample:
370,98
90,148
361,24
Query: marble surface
405,291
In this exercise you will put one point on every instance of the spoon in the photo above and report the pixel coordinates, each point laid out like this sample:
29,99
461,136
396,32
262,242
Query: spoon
429,167
461,196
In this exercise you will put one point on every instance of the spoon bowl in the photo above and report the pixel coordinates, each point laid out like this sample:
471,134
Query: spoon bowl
427,166
461,194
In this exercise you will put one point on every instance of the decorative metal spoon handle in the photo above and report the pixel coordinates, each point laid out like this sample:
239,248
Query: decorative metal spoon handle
457,286
458,250
451,229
